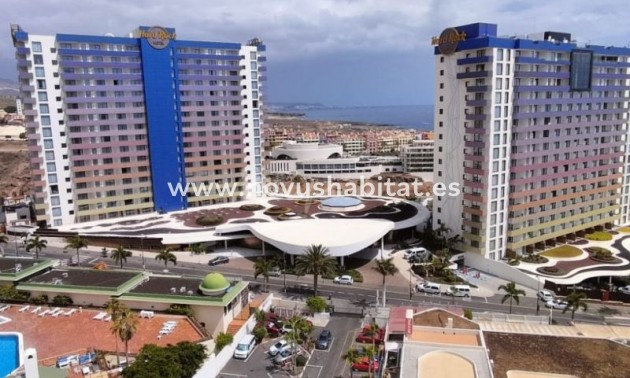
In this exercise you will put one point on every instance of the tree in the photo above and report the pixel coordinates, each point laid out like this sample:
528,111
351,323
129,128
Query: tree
575,301
316,304
512,293
119,255
197,249
113,307
76,242
191,357
299,331
260,332
351,356
317,262
126,327
167,256
386,268
153,361
260,317
37,244
174,361
370,354
263,267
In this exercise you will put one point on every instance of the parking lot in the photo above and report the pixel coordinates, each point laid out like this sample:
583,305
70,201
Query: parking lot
322,364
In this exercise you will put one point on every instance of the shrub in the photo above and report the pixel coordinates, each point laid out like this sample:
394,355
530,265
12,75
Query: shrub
252,207
62,301
534,259
178,309
223,339
300,360
599,236
209,220
468,314
8,293
260,333
39,300
277,210
316,304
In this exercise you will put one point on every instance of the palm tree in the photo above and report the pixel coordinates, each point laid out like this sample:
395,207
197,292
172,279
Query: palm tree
351,356
370,353
386,268
76,242
37,244
259,315
126,327
317,262
512,293
575,301
114,308
262,268
119,255
300,329
167,256
197,249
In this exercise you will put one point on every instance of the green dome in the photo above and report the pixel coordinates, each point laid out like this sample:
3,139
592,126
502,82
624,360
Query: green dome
214,283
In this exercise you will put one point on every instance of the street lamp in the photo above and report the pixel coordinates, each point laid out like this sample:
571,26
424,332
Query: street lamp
142,251
410,286
537,299
284,270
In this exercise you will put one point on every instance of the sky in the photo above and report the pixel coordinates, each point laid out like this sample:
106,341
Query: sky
334,52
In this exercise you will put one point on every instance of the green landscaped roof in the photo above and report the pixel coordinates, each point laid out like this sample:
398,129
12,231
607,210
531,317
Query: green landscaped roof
221,301
215,281
30,269
52,372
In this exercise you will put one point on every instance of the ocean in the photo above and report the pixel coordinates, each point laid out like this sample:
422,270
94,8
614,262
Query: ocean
416,117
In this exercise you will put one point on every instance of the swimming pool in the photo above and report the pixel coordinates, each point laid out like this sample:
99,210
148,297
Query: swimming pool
10,350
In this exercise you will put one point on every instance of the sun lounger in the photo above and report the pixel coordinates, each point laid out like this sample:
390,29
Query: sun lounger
4,308
165,331
107,318
56,309
55,314
100,316
147,314
24,309
44,313
36,310
70,312
171,322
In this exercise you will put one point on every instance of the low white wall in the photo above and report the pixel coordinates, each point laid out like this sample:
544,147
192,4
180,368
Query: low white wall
500,269
216,362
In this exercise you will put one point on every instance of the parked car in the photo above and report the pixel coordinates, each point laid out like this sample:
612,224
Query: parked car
556,304
219,260
429,288
415,251
279,347
625,289
245,347
364,364
287,328
545,295
344,280
273,329
286,355
275,272
369,338
324,340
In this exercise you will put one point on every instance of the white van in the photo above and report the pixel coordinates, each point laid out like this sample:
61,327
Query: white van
415,251
429,288
245,347
459,291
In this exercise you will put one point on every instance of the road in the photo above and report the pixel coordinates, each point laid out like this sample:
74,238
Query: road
354,295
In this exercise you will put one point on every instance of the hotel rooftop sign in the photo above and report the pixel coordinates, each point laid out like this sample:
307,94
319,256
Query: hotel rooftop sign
447,41
157,37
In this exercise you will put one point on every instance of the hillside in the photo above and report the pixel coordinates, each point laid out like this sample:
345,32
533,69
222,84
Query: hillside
15,179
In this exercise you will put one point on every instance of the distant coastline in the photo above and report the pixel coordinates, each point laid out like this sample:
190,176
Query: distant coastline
419,117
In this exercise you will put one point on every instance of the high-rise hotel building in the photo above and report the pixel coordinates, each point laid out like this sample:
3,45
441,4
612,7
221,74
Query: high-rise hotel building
535,131
115,123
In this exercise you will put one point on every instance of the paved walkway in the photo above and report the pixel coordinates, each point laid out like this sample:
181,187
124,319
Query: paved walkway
579,329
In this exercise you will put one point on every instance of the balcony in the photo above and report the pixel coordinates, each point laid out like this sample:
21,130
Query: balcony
478,88
476,102
474,60
476,117
473,75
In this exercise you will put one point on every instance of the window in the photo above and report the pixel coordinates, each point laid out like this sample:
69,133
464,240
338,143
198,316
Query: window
45,120
51,167
56,211
48,143
38,59
39,71
52,178
43,109
41,84
36,46
42,96
50,155
47,132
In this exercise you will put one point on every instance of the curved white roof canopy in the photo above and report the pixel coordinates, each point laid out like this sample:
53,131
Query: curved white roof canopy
341,236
